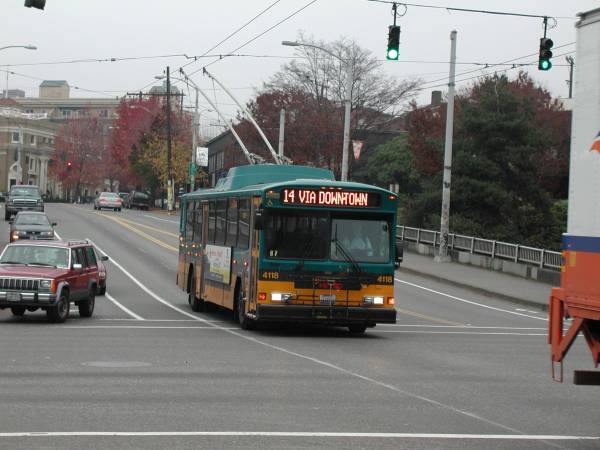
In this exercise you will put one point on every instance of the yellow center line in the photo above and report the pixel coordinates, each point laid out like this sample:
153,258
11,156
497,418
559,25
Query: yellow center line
141,233
158,230
432,319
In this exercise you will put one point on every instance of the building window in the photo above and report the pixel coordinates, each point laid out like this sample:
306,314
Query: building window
66,113
29,111
15,138
104,113
32,139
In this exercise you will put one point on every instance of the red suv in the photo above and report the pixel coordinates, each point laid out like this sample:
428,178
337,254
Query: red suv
49,276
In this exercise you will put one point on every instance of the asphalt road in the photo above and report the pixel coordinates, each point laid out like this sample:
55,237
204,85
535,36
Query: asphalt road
457,371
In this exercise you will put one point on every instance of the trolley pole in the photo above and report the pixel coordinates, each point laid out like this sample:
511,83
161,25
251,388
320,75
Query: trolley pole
445,217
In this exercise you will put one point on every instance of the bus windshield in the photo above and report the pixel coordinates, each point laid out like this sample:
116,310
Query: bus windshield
319,236
362,240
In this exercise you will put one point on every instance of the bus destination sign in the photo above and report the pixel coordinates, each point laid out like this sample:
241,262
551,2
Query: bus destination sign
329,197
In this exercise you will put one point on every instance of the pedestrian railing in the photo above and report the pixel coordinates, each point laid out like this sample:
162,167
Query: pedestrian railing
546,259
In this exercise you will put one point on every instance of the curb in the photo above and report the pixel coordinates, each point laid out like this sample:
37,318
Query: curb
477,289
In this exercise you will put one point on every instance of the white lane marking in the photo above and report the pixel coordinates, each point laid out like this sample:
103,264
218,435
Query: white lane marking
325,434
482,333
163,220
469,301
459,327
148,291
185,327
148,327
312,359
150,320
123,307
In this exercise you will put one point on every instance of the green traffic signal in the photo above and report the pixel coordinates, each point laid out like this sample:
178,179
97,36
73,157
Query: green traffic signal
545,54
392,53
393,43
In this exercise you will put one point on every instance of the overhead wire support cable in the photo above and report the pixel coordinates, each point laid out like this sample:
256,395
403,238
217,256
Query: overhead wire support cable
233,33
259,35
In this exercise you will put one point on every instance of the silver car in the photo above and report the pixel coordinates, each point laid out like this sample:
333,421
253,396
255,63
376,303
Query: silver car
108,200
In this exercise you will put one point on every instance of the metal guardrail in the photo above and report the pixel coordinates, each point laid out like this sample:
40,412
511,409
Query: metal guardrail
542,258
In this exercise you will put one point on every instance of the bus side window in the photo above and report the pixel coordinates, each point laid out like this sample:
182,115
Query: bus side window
189,223
221,224
232,222
243,223
198,222
211,222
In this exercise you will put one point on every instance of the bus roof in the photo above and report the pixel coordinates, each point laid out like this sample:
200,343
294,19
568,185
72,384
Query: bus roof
260,177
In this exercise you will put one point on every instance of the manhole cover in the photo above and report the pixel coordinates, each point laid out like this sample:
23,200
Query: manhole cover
117,364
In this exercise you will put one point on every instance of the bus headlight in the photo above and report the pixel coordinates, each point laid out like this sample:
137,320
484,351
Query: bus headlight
279,297
372,300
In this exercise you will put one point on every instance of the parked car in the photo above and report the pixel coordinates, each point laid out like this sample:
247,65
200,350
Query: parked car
124,196
138,199
108,200
49,276
102,274
31,225
23,198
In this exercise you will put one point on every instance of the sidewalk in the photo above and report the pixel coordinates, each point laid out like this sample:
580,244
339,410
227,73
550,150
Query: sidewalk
488,282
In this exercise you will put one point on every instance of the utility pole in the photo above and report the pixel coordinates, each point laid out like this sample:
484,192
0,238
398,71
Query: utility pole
347,119
169,174
445,219
194,145
281,132
571,62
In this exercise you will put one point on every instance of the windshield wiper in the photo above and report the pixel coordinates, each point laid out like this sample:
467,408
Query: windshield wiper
347,256
40,264
13,262
305,252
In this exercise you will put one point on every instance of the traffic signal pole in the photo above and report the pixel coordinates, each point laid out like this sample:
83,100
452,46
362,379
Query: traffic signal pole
445,217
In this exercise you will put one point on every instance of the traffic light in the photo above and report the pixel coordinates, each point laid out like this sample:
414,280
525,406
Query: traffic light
393,43
39,4
545,54
69,166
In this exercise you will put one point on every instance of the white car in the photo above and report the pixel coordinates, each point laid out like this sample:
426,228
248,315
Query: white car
108,200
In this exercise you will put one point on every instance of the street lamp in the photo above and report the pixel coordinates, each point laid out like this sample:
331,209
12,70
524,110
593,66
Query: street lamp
348,100
28,47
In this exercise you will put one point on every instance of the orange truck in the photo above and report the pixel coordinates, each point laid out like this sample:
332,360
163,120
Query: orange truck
576,303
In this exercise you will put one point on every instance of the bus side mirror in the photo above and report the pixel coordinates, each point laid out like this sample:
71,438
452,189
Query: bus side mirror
259,220
399,252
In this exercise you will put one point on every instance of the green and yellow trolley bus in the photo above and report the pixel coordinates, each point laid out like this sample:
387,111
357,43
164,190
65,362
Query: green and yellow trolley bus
290,244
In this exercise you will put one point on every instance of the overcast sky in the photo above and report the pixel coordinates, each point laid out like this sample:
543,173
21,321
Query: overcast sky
99,29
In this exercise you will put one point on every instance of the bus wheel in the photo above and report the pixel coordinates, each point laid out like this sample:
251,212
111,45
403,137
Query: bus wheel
196,303
245,322
357,328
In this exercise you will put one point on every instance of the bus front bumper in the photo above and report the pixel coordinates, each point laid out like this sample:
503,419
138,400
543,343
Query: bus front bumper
329,314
